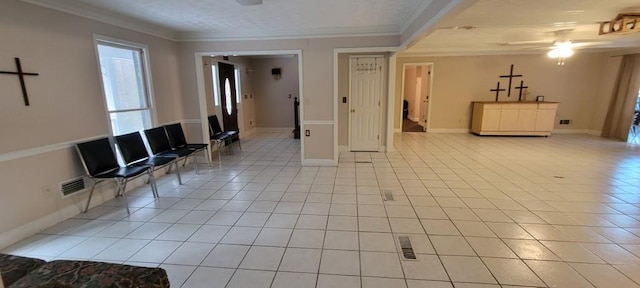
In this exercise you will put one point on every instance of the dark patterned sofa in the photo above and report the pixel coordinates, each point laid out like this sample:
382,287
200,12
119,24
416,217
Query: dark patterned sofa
22,272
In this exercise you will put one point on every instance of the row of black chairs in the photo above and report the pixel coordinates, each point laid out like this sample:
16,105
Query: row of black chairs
220,137
168,145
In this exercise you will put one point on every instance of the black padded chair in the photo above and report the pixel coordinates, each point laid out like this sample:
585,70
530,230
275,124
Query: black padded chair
216,130
160,146
100,163
222,137
177,140
134,153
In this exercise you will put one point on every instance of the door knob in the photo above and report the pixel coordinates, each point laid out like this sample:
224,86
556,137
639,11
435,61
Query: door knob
353,110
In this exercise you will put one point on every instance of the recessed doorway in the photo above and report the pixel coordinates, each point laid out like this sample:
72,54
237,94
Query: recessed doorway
416,91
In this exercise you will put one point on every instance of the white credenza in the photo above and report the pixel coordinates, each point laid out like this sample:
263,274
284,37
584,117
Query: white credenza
513,118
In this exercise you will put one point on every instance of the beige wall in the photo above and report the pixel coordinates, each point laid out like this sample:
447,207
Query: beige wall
457,81
66,106
275,97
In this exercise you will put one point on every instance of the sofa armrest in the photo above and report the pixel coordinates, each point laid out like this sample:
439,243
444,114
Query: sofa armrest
13,267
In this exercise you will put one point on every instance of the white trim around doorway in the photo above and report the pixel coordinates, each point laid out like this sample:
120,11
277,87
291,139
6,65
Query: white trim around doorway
432,69
202,97
390,94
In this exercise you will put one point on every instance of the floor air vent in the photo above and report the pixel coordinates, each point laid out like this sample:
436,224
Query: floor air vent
72,186
388,195
407,248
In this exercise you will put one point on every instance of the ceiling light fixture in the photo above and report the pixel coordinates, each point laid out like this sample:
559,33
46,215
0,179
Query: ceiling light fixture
561,50
249,2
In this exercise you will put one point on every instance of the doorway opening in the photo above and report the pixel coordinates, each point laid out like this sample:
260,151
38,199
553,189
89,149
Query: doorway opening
416,92
246,95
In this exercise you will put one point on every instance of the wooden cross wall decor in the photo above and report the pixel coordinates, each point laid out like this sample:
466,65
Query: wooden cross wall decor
497,90
521,87
21,75
510,76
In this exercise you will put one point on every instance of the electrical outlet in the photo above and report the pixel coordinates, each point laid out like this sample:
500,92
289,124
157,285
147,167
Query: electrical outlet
307,133
250,123
565,122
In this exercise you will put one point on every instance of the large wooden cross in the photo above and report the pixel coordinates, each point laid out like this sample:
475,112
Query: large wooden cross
21,74
510,76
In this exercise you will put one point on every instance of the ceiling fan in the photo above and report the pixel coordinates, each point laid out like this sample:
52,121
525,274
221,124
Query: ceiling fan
559,48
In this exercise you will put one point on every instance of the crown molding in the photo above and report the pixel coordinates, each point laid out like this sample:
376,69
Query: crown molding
80,9
414,15
387,30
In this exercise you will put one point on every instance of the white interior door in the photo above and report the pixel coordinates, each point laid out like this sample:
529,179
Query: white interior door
365,94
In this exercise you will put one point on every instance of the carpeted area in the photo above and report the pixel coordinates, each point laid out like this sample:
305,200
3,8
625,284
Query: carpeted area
411,126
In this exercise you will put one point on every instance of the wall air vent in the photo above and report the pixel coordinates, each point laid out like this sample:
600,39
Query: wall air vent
72,186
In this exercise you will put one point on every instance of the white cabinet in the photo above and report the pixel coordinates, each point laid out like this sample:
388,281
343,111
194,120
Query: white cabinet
513,118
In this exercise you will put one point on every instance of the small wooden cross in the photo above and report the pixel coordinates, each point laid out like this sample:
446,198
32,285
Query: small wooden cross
21,74
510,76
497,90
521,87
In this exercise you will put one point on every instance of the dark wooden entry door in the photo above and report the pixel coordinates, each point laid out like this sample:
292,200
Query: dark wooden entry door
226,76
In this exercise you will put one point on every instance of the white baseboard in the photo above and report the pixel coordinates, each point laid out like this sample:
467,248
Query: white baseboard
570,131
397,130
248,133
274,129
594,132
15,235
445,130
103,192
414,119
319,162
343,148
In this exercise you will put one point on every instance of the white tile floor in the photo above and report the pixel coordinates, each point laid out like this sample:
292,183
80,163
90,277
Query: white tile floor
562,211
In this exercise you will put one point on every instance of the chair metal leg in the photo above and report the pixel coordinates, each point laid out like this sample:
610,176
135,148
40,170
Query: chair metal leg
195,163
175,163
207,155
122,186
86,208
239,145
152,181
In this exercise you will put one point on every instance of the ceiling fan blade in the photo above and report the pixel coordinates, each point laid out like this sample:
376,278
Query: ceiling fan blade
526,43
249,2
580,44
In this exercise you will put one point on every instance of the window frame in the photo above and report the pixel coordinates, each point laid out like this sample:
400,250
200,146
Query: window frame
146,78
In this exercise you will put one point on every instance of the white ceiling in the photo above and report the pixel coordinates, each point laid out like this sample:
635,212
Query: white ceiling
227,19
497,21
504,21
